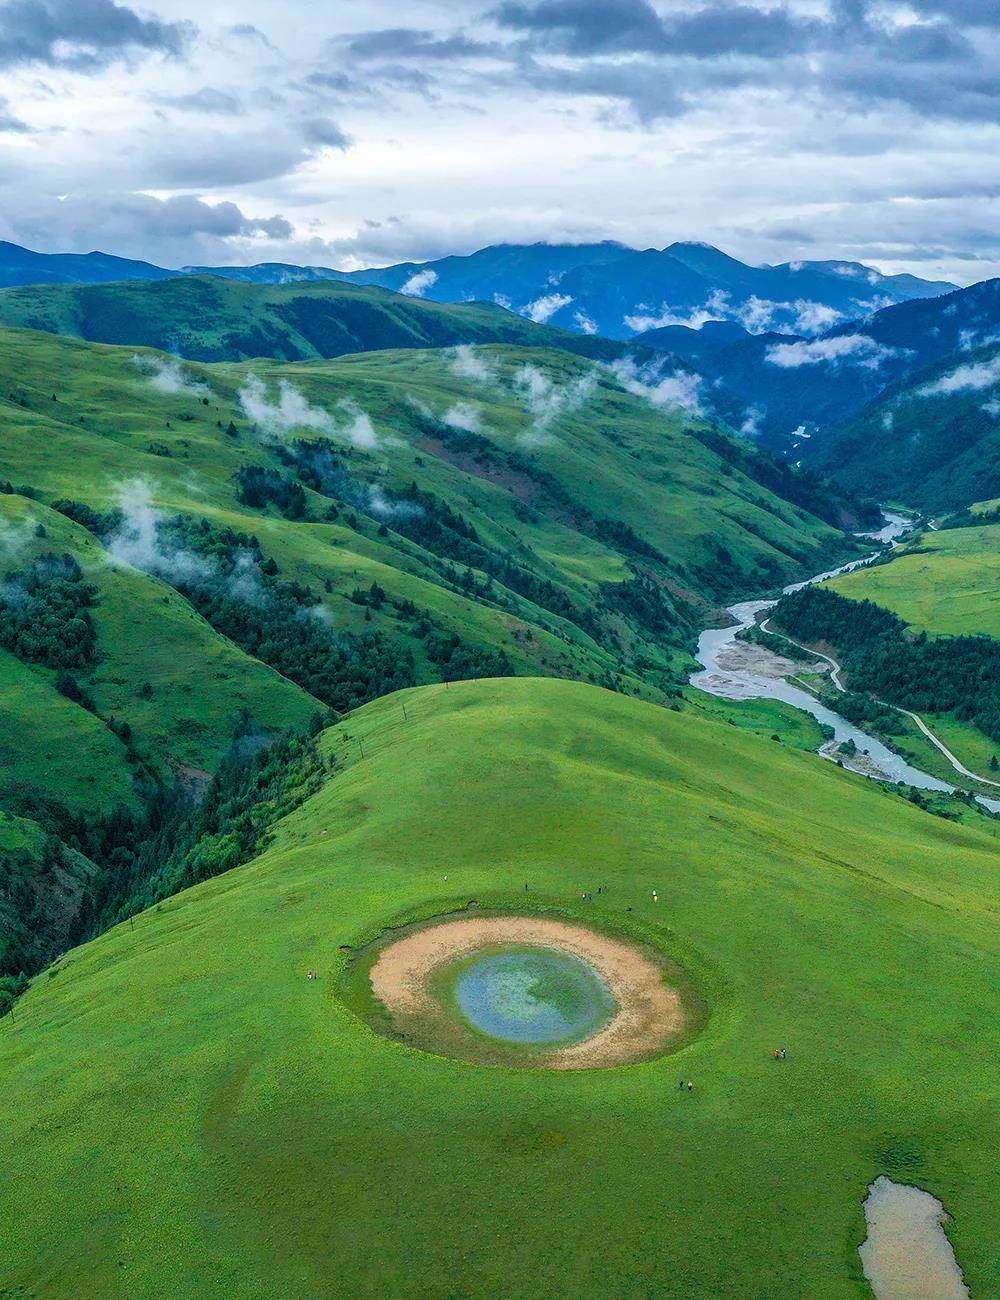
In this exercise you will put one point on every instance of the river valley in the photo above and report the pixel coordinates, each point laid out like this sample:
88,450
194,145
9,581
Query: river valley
738,670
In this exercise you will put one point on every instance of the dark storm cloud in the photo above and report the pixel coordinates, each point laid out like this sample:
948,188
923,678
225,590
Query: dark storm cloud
83,34
328,135
409,43
582,27
973,13
934,67
588,26
180,228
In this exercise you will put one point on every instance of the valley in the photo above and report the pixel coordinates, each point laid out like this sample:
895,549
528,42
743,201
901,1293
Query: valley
397,628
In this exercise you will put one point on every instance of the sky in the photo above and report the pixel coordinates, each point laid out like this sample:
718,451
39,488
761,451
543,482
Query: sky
367,133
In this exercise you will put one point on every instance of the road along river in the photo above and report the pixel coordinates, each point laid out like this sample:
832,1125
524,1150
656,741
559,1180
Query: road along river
738,670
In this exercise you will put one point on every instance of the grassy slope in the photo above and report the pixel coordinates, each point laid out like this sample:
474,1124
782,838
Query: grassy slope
51,748
262,1141
945,584
210,319
615,456
948,583
146,633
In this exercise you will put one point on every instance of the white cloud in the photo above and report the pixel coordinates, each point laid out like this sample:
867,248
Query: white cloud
469,363
964,379
547,401
717,307
138,542
464,415
14,538
292,411
584,322
418,283
166,375
755,314
679,390
544,308
843,349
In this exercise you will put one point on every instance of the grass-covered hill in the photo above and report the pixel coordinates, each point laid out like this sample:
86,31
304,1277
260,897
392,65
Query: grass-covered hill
207,318
196,560
186,1114
947,582
932,440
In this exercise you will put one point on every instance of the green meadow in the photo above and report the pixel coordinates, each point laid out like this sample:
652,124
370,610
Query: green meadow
189,1115
946,583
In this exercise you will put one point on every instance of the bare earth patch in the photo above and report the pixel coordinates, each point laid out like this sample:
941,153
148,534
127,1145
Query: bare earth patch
649,1013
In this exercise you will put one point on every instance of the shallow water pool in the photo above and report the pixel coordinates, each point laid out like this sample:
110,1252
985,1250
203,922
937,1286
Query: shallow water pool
532,996
907,1255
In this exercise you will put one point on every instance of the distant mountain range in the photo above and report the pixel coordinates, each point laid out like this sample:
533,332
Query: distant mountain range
603,288
787,389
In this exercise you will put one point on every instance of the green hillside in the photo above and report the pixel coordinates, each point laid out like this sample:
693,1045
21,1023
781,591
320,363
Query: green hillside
188,1115
207,318
932,440
947,582
195,561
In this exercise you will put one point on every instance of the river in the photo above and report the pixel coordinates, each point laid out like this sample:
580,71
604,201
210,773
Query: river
733,675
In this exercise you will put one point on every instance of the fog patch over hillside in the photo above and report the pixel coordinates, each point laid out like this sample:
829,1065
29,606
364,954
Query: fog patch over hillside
292,411
756,315
467,363
166,375
137,540
418,283
464,415
544,308
15,537
678,390
971,378
842,349
546,401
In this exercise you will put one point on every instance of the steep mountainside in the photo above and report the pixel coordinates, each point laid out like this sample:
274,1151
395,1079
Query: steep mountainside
604,288
22,266
932,440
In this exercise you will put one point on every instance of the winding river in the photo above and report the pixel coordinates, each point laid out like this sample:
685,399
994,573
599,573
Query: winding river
728,674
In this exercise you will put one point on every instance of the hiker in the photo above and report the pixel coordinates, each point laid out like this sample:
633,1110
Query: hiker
690,1086
311,975
777,1053
680,1086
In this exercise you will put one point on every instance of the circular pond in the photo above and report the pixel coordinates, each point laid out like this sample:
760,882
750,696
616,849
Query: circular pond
530,995
528,991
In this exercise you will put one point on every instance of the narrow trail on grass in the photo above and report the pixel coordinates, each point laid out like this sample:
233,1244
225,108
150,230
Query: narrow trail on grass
726,674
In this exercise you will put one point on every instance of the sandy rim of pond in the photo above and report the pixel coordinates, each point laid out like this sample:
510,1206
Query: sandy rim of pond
649,1014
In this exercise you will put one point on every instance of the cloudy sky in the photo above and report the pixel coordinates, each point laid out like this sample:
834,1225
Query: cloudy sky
374,131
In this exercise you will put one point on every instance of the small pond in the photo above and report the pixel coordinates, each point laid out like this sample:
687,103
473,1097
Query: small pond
530,995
